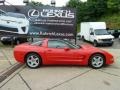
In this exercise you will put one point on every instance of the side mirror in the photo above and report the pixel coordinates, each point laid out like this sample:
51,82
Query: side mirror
66,49
91,33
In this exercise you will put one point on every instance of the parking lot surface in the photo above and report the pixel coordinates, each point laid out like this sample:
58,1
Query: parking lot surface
6,58
62,77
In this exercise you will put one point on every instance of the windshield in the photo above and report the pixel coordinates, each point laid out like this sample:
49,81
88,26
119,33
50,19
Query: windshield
101,32
71,44
17,15
38,43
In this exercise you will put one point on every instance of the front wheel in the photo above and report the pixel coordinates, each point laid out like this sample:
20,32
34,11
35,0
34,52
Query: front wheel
95,43
33,60
97,61
110,44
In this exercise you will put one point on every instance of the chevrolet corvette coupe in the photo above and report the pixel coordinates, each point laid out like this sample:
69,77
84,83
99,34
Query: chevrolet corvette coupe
60,52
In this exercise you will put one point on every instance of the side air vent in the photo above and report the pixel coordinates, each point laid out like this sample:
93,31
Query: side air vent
23,28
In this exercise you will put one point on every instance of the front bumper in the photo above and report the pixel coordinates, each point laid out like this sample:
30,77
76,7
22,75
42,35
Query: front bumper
109,42
105,41
109,60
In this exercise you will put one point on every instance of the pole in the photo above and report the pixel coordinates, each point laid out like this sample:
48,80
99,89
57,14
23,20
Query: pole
12,42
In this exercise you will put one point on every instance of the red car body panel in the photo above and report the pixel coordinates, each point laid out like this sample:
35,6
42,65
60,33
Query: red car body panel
56,56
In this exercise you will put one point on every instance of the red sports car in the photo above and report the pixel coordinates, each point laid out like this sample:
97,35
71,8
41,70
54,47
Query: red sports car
60,52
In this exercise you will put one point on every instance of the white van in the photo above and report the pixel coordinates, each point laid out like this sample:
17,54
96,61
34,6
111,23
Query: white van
96,33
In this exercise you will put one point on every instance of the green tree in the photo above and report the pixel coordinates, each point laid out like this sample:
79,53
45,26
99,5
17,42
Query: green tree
82,12
73,3
90,10
33,3
96,8
80,8
114,5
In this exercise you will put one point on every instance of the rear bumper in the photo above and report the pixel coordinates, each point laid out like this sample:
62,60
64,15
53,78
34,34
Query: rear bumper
19,56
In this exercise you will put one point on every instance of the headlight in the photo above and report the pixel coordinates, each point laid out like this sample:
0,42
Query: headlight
112,39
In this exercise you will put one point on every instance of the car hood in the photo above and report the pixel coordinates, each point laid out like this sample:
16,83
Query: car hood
87,46
13,19
91,49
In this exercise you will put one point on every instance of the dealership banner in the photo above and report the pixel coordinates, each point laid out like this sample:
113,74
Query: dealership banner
58,22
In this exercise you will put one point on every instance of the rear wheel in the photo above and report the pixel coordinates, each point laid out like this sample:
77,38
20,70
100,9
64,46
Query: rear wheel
17,42
33,60
97,61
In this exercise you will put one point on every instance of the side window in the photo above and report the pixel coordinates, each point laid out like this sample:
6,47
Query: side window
56,44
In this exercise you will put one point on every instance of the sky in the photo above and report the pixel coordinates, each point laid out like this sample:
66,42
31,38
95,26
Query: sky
58,2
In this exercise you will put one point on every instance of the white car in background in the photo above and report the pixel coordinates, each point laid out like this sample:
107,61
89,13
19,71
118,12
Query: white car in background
14,23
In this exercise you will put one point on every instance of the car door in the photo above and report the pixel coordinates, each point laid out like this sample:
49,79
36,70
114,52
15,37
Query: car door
59,52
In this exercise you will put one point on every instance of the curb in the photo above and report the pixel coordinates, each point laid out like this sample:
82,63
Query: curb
9,71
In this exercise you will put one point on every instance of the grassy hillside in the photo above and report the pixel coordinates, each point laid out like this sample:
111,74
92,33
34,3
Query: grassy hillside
113,21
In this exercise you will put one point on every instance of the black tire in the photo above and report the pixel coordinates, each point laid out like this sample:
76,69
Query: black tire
17,42
110,44
95,43
97,64
36,63
6,43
